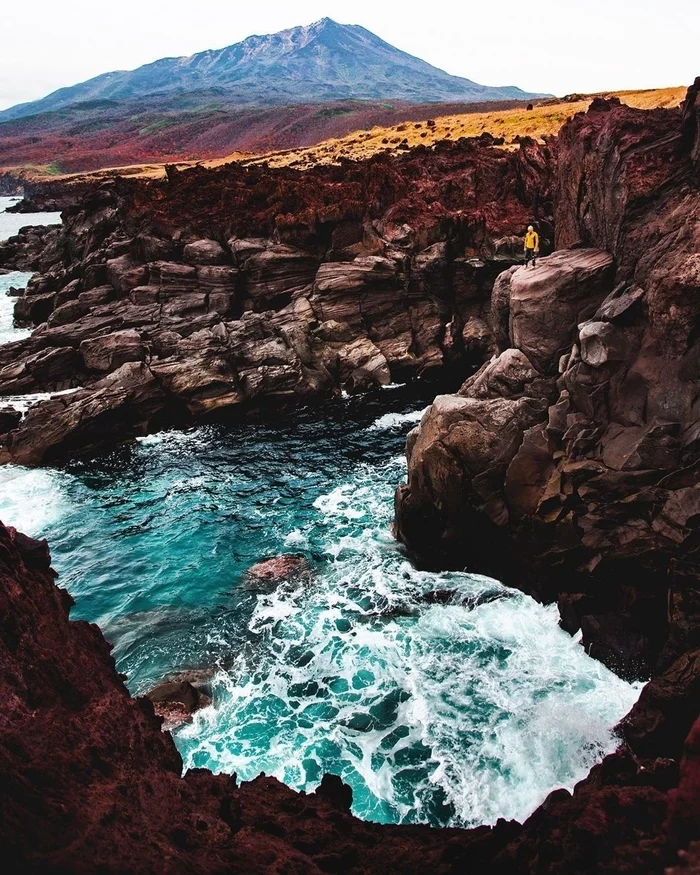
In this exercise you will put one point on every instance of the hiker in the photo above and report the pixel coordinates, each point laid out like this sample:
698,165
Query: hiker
532,246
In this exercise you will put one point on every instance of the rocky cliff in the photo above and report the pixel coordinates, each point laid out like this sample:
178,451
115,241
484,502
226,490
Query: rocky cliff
567,465
91,783
570,464
216,290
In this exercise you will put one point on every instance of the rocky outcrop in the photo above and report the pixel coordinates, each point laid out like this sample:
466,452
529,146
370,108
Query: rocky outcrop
214,291
91,782
570,465
176,701
270,573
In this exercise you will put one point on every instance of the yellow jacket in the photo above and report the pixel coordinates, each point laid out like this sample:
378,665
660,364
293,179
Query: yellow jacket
532,240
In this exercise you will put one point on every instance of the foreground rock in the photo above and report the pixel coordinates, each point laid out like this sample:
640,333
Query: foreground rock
91,782
570,464
212,292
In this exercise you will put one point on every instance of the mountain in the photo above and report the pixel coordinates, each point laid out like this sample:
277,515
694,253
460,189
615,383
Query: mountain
325,61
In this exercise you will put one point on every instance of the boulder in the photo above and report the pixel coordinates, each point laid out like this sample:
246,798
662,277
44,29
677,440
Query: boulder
172,278
548,303
204,252
602,342
270,573
9,419
176,702
125,273
362,366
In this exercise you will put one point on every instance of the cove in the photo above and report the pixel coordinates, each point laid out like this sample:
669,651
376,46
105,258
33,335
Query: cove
444,713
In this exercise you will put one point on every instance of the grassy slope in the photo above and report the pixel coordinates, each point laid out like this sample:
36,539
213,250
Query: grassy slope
546,118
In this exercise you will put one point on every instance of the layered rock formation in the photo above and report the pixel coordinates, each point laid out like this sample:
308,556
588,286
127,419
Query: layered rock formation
170,301
91,782
570,464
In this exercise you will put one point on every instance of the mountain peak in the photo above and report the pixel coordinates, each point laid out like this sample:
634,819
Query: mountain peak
318,62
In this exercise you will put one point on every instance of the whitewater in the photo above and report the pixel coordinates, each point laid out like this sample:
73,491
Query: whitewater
452,709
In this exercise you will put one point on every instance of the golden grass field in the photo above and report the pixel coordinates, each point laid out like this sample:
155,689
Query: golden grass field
546,118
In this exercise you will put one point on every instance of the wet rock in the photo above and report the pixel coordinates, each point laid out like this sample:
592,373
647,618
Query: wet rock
668,706
616,642
176,702
199,678
270,573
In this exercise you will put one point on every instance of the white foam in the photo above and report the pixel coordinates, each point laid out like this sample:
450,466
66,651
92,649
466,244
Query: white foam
295,538
31,499
489,700
175,440
397,420
340,502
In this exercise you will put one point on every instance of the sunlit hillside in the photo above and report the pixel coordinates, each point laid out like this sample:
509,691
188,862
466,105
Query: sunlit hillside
545,118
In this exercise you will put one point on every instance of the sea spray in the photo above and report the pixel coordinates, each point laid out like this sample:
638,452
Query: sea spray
443,698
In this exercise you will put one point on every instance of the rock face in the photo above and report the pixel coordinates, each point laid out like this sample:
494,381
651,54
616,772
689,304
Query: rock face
91,782
570,465
212,291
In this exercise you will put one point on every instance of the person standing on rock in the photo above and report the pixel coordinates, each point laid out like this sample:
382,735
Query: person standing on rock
532,246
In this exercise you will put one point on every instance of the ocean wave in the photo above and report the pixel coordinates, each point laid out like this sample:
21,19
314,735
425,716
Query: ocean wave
397,420
31,499
455,714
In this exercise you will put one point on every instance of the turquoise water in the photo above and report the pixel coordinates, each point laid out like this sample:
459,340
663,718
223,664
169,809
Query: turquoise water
447,714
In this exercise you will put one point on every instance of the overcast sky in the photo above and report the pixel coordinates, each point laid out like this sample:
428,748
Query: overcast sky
560,46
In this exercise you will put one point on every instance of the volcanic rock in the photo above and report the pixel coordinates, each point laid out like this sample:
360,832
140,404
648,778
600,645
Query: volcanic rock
270,573
176,702
334,280
592,497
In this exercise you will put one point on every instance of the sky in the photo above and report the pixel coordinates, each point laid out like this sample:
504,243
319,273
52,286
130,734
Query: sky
554,46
